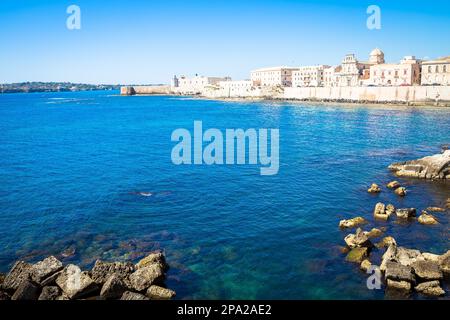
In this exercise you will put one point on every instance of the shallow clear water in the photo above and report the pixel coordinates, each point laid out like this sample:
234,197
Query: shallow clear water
72,165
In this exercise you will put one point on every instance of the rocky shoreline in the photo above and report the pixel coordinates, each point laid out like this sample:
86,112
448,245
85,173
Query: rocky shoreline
49,279
403,270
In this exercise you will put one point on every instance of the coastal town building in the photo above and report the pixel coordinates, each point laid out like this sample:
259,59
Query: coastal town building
330,76
436,72
405,73
272,77
237,88
309,76
197,84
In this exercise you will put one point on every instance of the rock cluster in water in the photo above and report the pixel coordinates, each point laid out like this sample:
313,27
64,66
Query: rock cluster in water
432,167
49,279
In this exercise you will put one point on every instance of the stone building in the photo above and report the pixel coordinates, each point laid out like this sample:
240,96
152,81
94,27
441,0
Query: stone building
238,88
309,76
436,72
405,73
272,77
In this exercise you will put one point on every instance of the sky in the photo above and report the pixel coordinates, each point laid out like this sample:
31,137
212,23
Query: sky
147,42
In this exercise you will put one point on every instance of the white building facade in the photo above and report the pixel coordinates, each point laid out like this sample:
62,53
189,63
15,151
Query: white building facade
436,72
405,73
197,84
308,76
272,77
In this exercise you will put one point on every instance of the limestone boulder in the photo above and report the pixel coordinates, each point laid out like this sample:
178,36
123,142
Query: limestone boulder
427,219
405,213
159,258
427,270
432,167
21,271
365,265
27,290
393,185
360,239
407,257
75,283
374,188
380,212
352,223
144,277
160,293
435,209
430,288
389,256
397,272
103,270
113,288
50,293
128,295
399,285
401,191
386,242
357,255
46,268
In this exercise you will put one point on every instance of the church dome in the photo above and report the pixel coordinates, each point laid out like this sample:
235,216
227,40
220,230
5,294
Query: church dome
376,56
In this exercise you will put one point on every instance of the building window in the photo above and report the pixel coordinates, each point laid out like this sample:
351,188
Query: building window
429,69
437,69
444,68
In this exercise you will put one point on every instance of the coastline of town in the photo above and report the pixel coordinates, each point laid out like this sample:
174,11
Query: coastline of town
411,82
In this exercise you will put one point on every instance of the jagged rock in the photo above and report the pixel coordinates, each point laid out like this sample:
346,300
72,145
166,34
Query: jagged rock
50,293
63,297
351,223
113,288
357,255
360,239
374,188
401,191
405,213
160,293
431,257
75,283
393,185
397,272
45,269
2,278
445,263
365,265
144,277
386,242
431,167
152,258
407,257
49,281
427,270
128,295
399,285
435,209
430,288
380,212
390,210
18,273
427,219
374,233
27,290
388,256
103,270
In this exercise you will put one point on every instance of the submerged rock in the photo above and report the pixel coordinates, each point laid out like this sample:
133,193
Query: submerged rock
430,288
357,255
427,219
75,283
374,188
160,293
352,223
431,167
365,265
386,242
374,233
393,185
435,209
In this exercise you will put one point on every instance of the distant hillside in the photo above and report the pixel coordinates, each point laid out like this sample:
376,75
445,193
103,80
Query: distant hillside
53,87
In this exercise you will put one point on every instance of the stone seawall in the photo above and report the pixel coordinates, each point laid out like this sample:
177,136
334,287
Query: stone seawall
413,94
144,90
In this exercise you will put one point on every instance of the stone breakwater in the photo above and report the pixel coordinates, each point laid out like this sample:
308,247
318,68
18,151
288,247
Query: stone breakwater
49,279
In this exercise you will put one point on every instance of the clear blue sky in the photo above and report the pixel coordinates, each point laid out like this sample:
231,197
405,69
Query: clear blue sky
149,41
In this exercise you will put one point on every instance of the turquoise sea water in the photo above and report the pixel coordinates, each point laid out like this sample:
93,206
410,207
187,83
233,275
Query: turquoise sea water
72,166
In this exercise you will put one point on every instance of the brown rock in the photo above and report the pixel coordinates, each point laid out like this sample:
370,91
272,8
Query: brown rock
405,213
427,219
160,293
351,223
380,212
401,191
365,265
386,242
393,185
435,209
431,288
374,188
357,255
427,270
432,167
146,276
374,233
399,285
50,293
45,268
74,283
397,272
19,273
152,258
128,295
27,290
113,288
103,270
360,239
